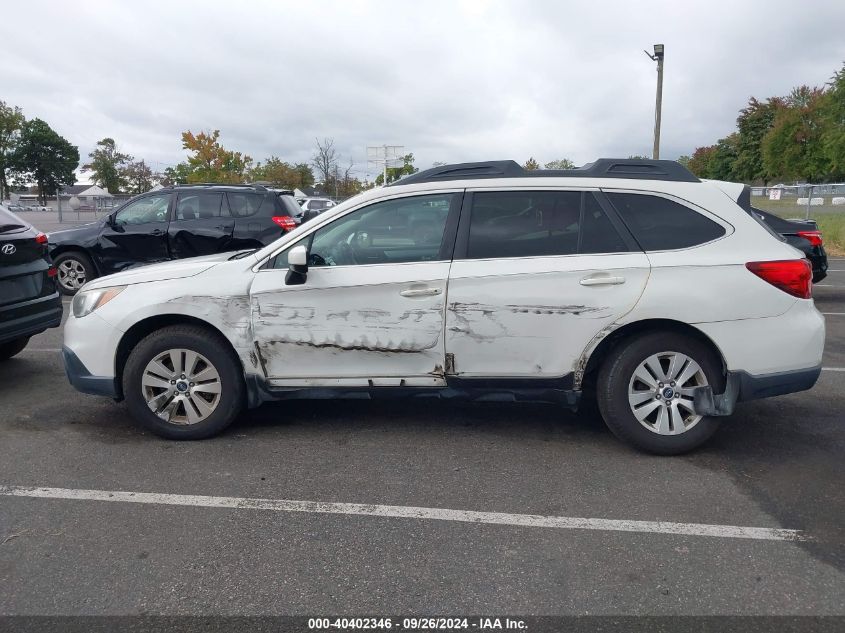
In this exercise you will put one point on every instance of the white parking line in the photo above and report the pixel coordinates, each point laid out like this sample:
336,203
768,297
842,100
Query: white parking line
52,350
833,368
409,512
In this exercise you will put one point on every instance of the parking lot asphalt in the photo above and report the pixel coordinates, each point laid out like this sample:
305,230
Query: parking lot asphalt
775,464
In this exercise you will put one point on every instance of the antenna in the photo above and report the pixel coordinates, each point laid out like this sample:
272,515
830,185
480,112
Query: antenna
384,156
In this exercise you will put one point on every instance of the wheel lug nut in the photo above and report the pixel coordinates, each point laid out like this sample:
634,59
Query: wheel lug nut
672,384
660,384
172,382
183,376
190,384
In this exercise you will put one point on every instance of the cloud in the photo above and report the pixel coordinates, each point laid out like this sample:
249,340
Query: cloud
451,81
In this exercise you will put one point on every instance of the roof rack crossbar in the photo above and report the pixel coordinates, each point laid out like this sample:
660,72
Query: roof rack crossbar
631,168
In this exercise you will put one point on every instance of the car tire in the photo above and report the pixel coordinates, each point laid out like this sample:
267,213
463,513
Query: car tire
74,268
661,426
12,348
187,409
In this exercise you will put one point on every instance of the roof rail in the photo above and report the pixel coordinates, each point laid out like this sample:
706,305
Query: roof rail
222,184
632,168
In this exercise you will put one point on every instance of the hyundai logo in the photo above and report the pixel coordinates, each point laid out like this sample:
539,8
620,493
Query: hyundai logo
8,249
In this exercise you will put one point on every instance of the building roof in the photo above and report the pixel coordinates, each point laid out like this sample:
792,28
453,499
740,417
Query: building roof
89,190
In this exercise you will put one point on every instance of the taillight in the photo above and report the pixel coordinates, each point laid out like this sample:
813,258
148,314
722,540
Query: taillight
814,237
285,221
41,238
793,276
52,272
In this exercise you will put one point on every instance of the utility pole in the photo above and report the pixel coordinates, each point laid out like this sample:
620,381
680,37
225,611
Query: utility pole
658,104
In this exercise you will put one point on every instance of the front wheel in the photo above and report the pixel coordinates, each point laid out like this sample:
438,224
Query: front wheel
74,270
183,382
12,348
646,389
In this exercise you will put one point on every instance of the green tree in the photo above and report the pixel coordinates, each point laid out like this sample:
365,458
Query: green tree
684,160
280,173
833,121
138,176
45,157
722,163
699,164
178,175
395,173
794,146
531,164
107,165
560,163
753,123
211,162
639,157
11,123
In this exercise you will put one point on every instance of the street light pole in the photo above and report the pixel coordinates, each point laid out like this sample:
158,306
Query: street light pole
658,105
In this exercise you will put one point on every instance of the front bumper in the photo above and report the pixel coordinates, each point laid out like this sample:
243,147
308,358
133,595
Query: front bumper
83,381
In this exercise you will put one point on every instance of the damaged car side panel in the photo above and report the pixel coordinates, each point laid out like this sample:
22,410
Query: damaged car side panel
533,317
362,325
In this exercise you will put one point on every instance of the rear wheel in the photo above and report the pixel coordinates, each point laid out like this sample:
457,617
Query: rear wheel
74,270
645,392
183,382
11,348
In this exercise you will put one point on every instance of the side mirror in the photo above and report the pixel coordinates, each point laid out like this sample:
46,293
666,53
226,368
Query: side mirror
110,220
297,266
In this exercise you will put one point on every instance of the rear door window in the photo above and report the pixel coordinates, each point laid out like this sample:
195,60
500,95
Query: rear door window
539,223
244,205
198,206
660,224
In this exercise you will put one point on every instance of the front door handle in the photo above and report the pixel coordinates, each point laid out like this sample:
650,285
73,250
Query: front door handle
421,292
602,281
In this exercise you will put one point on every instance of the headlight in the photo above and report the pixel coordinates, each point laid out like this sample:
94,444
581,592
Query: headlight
86,301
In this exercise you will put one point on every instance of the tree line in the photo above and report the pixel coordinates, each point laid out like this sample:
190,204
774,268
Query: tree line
31,151
797,137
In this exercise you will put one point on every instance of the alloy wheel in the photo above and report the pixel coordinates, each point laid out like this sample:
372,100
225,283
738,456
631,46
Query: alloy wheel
661,392
181,386
71,274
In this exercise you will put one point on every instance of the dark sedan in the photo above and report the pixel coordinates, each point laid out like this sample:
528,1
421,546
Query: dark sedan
29,302
171,223
802,234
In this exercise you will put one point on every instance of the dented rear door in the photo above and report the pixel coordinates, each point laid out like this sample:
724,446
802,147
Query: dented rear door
517,309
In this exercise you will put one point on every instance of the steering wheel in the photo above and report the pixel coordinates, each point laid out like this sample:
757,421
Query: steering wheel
315,259
345,254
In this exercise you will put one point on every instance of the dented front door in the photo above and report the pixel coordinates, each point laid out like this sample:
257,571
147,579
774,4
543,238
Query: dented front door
376,325
371,309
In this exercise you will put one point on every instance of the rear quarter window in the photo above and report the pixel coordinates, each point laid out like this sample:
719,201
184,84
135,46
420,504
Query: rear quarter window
660,224
244,205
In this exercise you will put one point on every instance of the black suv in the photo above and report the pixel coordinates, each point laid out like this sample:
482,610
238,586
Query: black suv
172,223
29,302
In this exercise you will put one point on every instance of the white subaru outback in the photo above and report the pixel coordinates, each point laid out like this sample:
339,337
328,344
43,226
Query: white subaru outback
628,283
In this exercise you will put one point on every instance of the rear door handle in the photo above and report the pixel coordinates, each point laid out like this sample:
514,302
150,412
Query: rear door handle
421,292
602,281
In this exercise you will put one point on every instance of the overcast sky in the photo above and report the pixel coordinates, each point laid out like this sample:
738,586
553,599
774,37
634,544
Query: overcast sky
451,81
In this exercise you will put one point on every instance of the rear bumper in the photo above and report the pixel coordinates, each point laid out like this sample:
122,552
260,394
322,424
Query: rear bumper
29,318
742,386
83,381
754,387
